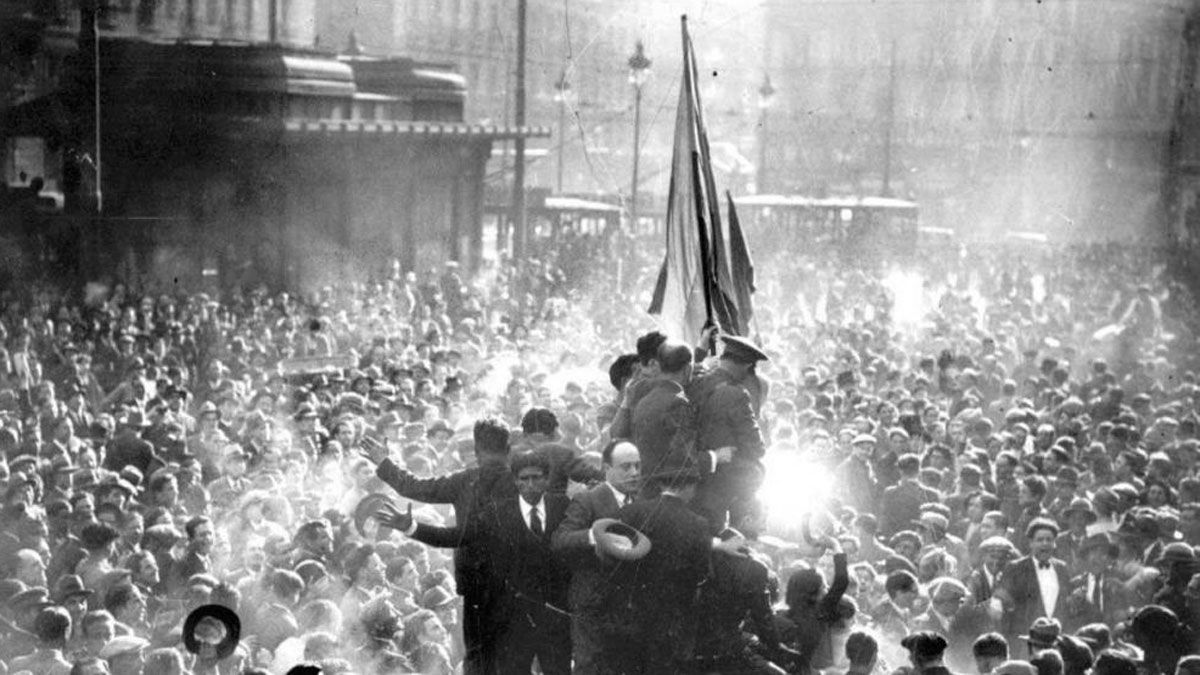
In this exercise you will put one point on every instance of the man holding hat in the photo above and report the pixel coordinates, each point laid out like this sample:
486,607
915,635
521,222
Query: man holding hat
652,602
726,401
573,539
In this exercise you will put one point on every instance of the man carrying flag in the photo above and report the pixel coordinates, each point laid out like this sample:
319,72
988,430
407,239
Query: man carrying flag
707,280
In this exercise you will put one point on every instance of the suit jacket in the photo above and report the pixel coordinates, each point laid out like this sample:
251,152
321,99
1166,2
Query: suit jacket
1067,548
664,427
468,491
571,543
664,583
517,568
1111,607
901,504
1022,597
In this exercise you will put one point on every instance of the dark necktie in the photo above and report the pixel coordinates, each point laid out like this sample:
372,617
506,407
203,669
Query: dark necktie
535,522
628,500
1098,592
1044,566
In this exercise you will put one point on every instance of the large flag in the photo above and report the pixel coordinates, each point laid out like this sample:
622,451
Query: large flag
689,293
741,269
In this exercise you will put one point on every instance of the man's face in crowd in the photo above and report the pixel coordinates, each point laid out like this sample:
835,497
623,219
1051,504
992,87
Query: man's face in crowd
625,472
975,509
147,572
372,572
907,549
345,435
321,541
97,635
31,571
905,599
1097,561
532,482
204,538
235,466
1041,546
1025,496
988,527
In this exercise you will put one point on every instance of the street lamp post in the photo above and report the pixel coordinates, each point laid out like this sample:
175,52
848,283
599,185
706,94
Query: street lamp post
562,90
639,72
766,98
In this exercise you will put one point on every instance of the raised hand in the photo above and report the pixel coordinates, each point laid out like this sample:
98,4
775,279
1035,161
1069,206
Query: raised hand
373,449
391,517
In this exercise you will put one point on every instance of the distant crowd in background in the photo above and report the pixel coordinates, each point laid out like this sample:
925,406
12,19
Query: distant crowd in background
436,473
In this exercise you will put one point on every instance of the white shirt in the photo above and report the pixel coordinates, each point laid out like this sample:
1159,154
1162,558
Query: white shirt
527,509
1048,584
1094,592
617,494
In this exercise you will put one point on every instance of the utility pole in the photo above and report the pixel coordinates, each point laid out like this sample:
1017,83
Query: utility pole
887,131
520,236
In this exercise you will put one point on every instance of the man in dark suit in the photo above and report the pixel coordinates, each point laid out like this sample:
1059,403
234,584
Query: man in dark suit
664,421
525,585
901,503
652,606
1098,594
1078,514
573,541
1034,586
469,491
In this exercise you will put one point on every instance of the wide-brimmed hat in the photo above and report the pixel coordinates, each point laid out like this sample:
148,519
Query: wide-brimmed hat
69,586
221,614
1044,632
367,508
618,540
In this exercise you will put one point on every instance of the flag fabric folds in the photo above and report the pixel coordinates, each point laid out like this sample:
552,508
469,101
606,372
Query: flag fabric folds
706,276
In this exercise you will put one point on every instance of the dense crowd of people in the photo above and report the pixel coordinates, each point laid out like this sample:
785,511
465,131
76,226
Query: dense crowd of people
982,461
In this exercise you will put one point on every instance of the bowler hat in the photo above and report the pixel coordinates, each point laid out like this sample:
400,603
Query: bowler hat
618,540
741,350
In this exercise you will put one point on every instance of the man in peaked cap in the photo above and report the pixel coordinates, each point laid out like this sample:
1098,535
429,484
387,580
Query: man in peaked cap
727,399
